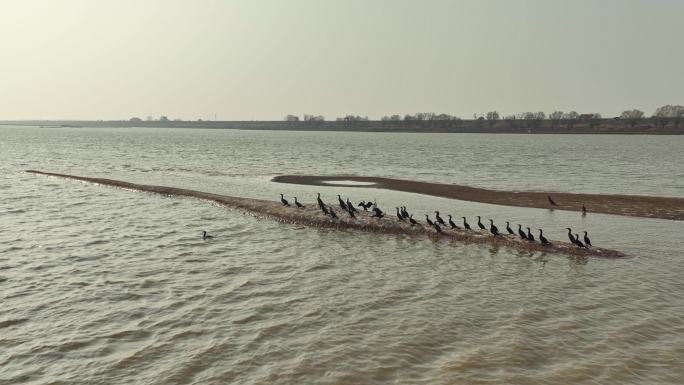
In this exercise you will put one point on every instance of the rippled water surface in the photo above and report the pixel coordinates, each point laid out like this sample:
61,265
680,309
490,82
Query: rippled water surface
100,285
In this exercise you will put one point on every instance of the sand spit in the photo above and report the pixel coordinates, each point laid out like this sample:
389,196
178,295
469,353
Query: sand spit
628,205
312,216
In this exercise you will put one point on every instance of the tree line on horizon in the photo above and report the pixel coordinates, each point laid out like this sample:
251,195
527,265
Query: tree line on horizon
662,116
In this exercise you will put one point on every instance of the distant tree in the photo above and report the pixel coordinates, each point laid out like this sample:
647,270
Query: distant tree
669,112
395,118
149,119
492,117
570,118
135,120
313,118
443,117
555,117
163,118
291,118
632,116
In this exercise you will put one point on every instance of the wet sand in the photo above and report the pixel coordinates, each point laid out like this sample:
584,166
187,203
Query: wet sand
313,217
628,205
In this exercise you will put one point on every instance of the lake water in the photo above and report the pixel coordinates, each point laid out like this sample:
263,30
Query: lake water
100,285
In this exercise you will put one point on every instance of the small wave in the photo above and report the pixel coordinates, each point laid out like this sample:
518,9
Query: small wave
12,322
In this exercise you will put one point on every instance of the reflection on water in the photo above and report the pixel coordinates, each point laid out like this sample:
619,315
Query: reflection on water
103,285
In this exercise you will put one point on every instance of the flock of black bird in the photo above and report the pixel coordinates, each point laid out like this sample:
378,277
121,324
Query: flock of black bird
403,215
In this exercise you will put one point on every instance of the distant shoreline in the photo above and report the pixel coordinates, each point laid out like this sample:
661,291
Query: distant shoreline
628,205
646,126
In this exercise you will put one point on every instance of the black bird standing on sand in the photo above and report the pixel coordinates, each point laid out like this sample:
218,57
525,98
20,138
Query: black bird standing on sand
351,212
587,241
429,222
584,210
342,204
404,213
570,236
368,205
332,213
350,206
378,213
362,204
509,229
465,224
520,232
284,201
299,205
205,236
437,228
399,215
413,221
439,219
451,223
493,229
530,237
479,224
320,201
325,210
551,200
542,238
579,243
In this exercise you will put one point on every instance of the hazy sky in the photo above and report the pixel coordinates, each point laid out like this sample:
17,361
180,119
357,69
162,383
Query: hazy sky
253,59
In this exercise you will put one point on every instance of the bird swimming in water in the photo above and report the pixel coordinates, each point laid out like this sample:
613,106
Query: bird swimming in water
412,221
439,219
465,224
451,223
427,219
205,236
530,237
342,204
521,232
299,205
587,241
493,229
479,224
284,201
509,229
551,200
542,238
399,215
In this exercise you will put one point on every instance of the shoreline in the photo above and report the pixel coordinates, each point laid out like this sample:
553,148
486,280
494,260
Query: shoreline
670,208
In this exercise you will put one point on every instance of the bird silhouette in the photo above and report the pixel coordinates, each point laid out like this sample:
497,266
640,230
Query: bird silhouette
479,224
493,229
206,236
542,238
299,205
587,241
284,201
509,229
465,224
551,200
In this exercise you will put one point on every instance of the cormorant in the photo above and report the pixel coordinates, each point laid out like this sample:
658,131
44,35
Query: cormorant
584,210
439,219
363,204
437,228
404,213
530,237
413,221
465,224
399,215
342,204
493,229
350,206
587,241
301,206
509,229
551,200
520,232
542,238
284,201
325,210
429,222
351,212
482,227
332,213
205,236
570,236
320,201
578,242
451,223
378,214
